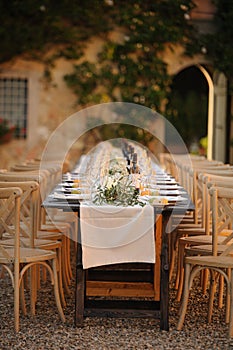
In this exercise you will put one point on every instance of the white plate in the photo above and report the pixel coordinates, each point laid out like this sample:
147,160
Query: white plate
170,192
169,199
168,186
69,189
175,198
166,181
70,185
75,196
161,177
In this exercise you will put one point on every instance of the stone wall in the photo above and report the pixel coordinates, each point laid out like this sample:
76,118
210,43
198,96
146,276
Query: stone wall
51,104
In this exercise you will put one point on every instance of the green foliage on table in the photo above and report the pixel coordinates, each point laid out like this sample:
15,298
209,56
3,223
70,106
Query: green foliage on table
119,192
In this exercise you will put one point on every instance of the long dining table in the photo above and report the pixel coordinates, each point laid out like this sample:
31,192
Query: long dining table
152,276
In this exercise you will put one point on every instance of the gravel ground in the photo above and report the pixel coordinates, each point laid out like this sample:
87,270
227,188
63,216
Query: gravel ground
45,330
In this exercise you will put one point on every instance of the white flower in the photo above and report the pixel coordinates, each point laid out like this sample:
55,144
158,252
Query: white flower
110,182
109,2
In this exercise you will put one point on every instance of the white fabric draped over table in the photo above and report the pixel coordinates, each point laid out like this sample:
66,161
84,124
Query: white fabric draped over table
115,234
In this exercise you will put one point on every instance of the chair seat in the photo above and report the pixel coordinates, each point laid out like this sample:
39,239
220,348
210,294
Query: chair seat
53,226
38,243
191,230
51,235
211,261
202,239
27,255
205,249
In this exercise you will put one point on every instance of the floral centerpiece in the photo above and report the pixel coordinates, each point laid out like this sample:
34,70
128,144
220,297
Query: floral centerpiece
117,188
6,131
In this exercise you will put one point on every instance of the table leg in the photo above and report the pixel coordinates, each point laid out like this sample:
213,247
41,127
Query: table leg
164,277
80,282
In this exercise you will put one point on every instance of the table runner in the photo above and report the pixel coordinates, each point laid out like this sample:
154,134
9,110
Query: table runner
116,234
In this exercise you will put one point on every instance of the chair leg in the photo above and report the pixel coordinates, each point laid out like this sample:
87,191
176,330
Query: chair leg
33,289
59,270
173,242
220,292
22,298
178,267
228,296
16,298
43,274
65,280
185,297
231,306
56,291
68,261
213,278
181,273
2,272
204,281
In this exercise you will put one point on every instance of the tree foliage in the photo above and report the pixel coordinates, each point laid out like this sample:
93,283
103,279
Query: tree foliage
218,44
32,27
130,70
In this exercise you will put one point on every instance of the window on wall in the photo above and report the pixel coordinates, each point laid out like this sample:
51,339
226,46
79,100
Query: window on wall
14,103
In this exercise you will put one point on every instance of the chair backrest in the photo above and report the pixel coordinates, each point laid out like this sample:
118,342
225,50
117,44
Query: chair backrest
29,208
10,219
219,178
209,180
52,171
195,190
222,216
47,178
42,178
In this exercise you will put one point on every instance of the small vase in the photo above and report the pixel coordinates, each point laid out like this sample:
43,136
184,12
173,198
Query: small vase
6,138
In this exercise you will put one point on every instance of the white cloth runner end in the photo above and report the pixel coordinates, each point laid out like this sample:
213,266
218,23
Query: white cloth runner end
112,234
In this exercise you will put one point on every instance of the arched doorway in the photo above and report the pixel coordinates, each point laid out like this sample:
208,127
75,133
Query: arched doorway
199,109
220,122
189,107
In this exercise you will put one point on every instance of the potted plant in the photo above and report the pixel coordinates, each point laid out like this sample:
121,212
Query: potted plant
6,131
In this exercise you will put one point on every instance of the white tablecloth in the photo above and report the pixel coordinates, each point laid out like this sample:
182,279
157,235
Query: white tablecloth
115,234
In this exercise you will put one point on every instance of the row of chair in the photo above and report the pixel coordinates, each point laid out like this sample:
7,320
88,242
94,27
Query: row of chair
204,241
34,243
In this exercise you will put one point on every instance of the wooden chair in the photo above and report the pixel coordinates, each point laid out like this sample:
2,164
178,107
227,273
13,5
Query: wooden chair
193,223
193,236
204,244
49,175
53,231
189,225
18,260
29,227
222,264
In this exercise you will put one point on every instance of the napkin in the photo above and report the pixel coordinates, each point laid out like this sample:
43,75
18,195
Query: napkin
116,234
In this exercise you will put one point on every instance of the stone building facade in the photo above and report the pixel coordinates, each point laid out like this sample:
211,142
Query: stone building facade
50,104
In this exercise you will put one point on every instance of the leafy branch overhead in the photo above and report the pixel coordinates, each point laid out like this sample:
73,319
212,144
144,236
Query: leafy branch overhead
129,69
37,26
132,69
